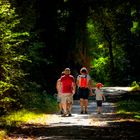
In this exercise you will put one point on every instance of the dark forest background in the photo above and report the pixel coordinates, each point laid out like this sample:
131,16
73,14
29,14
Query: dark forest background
39,38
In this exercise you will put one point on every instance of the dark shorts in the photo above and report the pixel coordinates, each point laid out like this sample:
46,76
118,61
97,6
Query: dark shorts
99,103
83,93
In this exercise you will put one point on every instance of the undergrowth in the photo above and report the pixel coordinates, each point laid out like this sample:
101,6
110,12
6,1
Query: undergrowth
129,107
34,106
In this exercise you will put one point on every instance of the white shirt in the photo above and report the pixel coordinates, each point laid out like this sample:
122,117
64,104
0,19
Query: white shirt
99,94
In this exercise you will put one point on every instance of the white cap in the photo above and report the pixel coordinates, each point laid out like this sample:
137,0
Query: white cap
67,69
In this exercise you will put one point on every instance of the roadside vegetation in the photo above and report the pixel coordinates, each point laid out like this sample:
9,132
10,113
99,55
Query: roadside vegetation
129,107
35,107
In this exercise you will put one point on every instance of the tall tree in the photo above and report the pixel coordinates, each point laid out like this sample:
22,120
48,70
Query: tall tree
11,74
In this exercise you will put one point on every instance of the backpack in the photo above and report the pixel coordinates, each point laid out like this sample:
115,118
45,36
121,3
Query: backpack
83,81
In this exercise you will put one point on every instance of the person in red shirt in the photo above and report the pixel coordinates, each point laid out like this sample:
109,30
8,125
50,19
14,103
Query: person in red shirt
68,87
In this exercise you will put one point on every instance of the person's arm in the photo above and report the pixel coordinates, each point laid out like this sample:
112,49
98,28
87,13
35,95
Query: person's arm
58,86
77,81
94,91
103,97
73,88
90,86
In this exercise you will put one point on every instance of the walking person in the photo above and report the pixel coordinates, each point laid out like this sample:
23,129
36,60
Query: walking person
59,92
84,84
68,90
99,97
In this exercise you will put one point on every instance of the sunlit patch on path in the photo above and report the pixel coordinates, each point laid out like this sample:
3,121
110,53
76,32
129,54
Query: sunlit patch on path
90,119
77,119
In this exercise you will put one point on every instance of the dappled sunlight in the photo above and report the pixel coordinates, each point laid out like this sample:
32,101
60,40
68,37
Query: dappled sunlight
99,123
54,126
120,129
41,119
109,119
2,134
93,119
102,120
24,116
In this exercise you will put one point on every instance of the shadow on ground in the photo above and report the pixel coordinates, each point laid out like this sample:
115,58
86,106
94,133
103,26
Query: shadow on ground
117,130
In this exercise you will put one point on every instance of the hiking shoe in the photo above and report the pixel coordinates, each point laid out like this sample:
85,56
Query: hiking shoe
86,112
64,115
82,112
61,112
69,115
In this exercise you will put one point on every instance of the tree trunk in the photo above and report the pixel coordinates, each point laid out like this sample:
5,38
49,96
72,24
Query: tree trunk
112,68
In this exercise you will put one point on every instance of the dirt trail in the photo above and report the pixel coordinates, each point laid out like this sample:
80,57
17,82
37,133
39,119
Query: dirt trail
90,119
105,126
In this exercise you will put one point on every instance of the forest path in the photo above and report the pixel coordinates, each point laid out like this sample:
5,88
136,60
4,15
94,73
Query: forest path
89,126
90,119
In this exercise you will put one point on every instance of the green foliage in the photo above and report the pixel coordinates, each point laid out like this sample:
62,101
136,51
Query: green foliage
11,57
100,61
117,29
39,102
35,53
2,134
135,85
99,71
130,106
36,67
4,86
36,106
135,27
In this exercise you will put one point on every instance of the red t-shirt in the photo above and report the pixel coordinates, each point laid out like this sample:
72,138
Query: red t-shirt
67,81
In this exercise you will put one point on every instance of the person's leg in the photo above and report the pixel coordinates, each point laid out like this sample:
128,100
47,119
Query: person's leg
85,97
99,107
64,104
69,103
60,108
64,109
82,105
80,93
69,107
86,105
59,103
